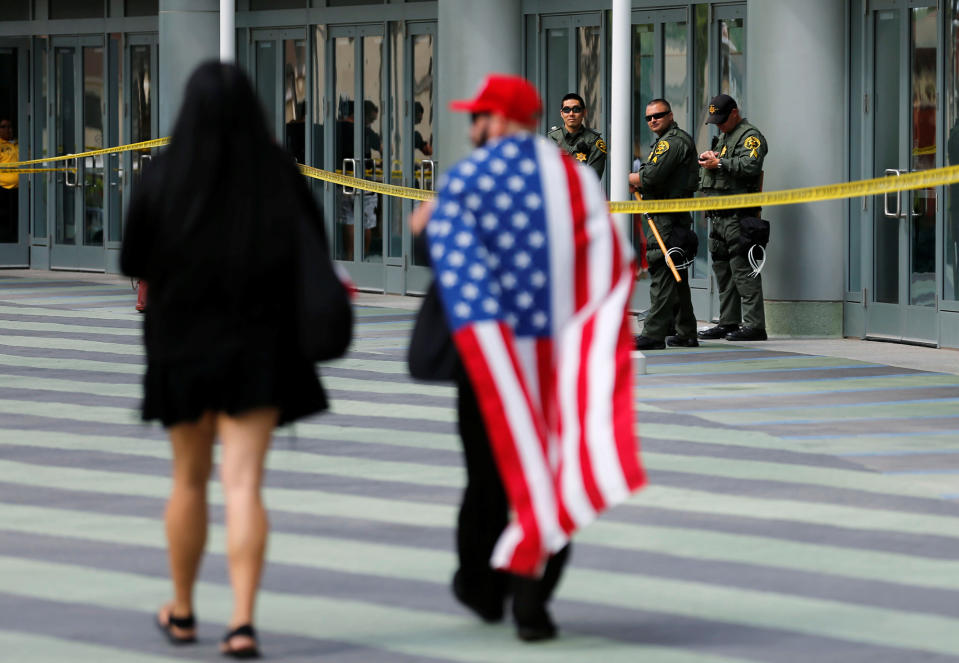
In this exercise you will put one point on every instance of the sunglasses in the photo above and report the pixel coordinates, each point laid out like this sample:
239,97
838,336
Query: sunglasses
657,116
571,109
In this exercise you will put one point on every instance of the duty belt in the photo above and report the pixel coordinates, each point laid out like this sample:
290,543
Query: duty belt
740,212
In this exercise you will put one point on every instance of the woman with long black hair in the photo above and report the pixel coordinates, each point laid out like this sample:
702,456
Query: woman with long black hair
213,228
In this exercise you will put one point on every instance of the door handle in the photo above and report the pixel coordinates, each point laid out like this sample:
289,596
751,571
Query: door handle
432,168
897,213
348,190
77,170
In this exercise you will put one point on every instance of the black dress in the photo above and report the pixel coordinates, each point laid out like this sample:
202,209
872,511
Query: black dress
220,323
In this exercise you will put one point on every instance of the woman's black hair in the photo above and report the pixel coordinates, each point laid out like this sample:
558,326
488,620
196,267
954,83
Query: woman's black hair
223,181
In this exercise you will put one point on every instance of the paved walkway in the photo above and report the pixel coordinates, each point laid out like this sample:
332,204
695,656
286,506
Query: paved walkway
804,505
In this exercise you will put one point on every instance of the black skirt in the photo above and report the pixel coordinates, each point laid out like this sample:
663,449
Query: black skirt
233,382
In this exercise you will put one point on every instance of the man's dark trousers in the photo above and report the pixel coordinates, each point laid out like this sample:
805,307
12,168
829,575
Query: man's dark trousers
484,515
740,294
670,303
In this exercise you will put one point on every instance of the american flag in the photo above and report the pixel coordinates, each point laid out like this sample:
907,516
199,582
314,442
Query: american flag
535,278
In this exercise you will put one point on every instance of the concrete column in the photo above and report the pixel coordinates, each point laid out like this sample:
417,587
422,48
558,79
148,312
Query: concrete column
189,35
796,70
228,30
474,39
620,154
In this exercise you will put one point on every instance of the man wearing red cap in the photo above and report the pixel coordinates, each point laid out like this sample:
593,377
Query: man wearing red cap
528,316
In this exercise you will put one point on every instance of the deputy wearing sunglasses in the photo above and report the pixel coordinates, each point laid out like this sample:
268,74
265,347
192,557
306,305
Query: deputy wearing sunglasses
582,143
670,171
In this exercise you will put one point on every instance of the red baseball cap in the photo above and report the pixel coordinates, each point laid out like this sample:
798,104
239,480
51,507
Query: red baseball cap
513,97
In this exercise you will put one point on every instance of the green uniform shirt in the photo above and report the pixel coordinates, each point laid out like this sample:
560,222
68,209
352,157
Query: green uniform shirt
671,170
741,154
586,146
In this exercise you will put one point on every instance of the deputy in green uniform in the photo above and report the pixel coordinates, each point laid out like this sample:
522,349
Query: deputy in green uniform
670,171
734,165
581,142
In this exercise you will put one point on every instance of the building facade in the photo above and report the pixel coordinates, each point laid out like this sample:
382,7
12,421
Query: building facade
842,89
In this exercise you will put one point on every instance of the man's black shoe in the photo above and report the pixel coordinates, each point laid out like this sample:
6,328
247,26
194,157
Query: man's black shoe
682,342
535,627
747,334
647,343
489,610
719,331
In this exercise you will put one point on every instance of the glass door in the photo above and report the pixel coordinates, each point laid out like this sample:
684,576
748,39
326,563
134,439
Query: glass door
14,146
358,78
571,60
280,76
725,73
901,301
79,107
414,145
661,48
140,86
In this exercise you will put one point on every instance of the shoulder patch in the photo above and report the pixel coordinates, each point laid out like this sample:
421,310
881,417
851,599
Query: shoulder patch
661,147
601,145
752,143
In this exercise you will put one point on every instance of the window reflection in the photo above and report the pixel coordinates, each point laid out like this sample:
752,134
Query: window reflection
590,79
922,232
425,154
699,130
557,71
950,277
344,97
294,97
93,101
732,58
372,166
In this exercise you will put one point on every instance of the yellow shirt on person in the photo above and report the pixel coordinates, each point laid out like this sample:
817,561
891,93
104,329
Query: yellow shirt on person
9,153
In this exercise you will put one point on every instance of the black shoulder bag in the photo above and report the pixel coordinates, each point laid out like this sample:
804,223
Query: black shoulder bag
325,314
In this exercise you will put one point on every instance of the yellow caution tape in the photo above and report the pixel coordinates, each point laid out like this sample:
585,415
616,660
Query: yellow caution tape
918,180
367,185
145,145
925,179
5,170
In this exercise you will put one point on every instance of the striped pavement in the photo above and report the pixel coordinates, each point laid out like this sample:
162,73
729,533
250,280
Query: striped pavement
801,508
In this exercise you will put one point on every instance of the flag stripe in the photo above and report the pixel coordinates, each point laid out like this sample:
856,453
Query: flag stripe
535,283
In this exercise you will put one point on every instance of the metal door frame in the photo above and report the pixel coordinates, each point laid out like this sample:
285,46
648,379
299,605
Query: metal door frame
901,321
417,277
75,257
131,162
366,275
658,18
18,255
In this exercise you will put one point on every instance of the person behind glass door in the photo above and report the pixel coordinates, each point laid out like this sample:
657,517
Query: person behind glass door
213,226
372,142
9,183
581,142
421,144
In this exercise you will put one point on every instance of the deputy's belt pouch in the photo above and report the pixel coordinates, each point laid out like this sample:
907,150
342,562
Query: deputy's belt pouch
684,239
725,213
752,230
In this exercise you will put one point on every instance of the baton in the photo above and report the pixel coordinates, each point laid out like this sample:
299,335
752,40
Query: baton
659,240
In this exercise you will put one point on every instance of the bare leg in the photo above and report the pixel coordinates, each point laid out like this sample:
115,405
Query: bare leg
245,439
186,512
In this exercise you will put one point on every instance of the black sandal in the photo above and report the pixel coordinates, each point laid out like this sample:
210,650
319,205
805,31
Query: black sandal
181,623
246,630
